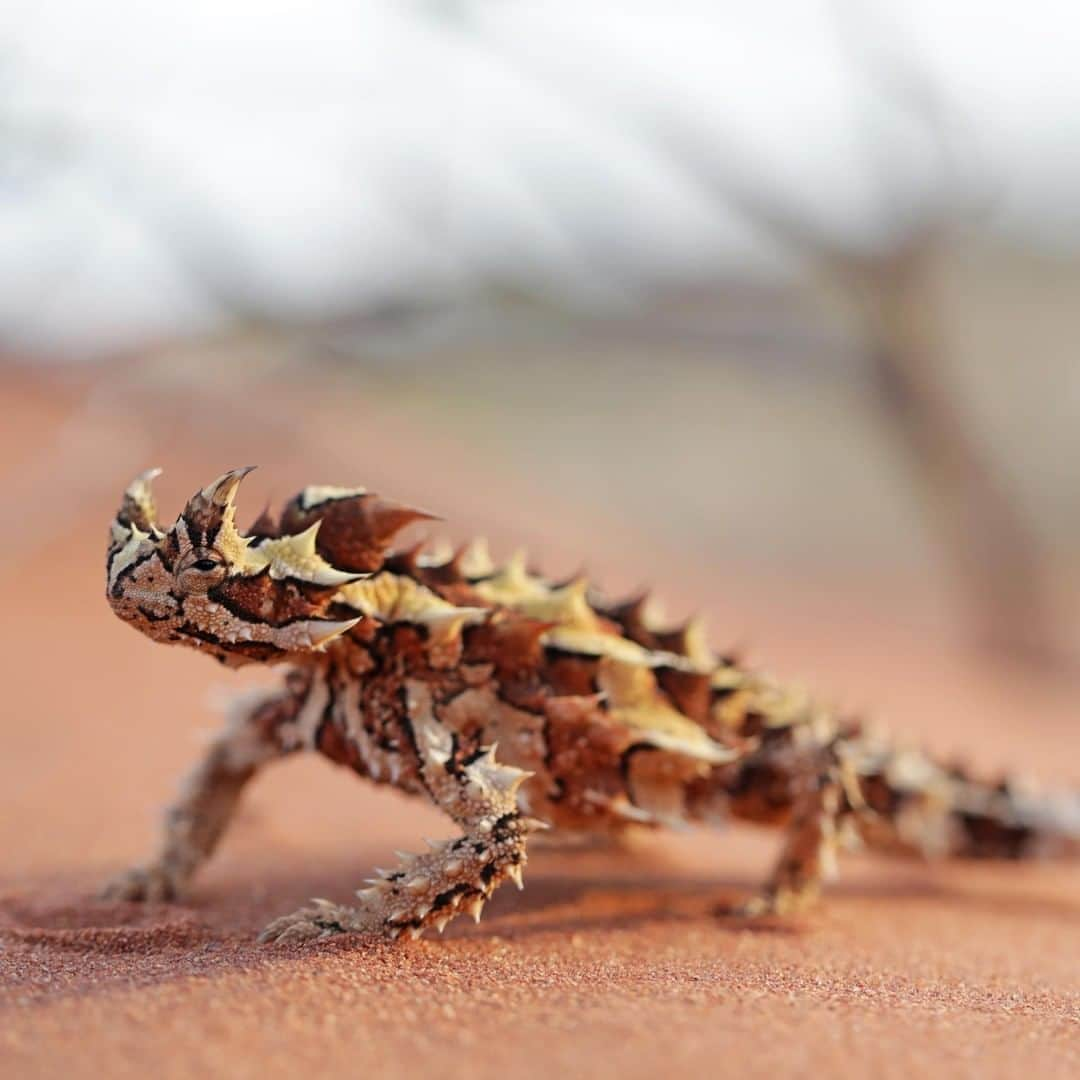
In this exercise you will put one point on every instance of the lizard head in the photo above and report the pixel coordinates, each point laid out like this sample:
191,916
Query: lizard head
201,583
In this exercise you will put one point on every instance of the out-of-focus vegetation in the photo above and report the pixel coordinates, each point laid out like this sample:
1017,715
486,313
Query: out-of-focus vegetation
792,286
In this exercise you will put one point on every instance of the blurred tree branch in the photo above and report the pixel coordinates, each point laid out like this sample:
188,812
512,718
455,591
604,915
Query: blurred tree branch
891,284
897,295
991,550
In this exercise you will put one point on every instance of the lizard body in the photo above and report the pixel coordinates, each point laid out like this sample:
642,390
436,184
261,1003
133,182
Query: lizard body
515,704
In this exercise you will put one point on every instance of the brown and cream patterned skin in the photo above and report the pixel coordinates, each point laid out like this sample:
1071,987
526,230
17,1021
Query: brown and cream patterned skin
515,704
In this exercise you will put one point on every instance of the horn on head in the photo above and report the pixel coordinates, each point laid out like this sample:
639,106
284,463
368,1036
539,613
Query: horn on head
211,513
138,507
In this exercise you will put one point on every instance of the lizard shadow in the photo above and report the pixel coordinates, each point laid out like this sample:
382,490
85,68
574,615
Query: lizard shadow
558,902
630,889
215,929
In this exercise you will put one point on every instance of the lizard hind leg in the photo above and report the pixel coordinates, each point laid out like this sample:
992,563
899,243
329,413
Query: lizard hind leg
808,856
456,875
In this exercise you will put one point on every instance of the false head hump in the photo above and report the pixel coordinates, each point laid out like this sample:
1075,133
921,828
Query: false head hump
355,527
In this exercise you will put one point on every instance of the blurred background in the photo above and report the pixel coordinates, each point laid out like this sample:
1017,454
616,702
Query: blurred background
774,306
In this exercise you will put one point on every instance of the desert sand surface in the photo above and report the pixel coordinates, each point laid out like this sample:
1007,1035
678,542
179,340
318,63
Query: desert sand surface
609,964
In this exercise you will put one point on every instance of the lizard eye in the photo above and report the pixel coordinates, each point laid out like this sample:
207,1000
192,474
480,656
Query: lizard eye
201,574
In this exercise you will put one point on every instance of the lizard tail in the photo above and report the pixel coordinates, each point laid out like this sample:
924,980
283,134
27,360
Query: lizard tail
909,804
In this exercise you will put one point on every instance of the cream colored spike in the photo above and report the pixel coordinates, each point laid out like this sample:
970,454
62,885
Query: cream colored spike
317,494
475,559
391,598
512,585
222,493
651,612
296,557
139,505
446,626
440,552
598,643
133,538
567,606
505,779
633,699
696,639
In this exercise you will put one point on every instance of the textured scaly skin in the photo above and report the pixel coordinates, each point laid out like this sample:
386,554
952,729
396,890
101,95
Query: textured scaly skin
514,704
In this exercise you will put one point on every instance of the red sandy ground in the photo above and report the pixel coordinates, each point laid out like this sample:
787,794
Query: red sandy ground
607,965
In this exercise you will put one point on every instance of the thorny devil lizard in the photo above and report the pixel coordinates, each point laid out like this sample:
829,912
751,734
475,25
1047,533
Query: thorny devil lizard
515,705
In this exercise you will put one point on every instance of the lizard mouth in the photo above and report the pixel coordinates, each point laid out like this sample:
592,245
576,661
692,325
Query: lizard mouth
261,640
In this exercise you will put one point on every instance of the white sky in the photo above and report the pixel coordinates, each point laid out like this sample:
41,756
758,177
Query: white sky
165,167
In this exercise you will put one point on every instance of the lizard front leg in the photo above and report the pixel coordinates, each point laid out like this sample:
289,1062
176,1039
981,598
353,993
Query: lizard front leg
456,875
194,824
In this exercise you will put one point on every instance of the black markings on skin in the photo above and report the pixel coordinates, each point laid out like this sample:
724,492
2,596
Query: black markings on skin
198,537
626,759
301,502
194,531
988,838
193,631
475,756
557,790
151,617
444,899
255,650
501,830
555,652
127,572
258,650
406,720
327,717
410,735
169,552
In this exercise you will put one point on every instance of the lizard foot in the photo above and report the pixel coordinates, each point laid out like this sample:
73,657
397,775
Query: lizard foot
321,920
773,903
153,884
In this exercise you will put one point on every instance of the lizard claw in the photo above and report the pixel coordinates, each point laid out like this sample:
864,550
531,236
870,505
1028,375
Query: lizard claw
152,884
